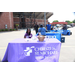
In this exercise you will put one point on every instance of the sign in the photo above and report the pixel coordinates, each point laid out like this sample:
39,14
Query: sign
40,53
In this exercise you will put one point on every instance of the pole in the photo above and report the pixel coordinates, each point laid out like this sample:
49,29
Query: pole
10,19
34,17
30,19
45,19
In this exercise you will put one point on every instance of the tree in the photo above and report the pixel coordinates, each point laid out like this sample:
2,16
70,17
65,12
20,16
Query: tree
55,21
69,22
74,21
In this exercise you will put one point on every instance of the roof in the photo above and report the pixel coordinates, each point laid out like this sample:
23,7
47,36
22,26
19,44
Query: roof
38,15
59,23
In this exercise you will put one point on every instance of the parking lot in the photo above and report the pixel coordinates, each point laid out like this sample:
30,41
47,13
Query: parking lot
67,52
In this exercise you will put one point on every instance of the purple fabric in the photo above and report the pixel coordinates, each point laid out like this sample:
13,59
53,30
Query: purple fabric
20,50
28,36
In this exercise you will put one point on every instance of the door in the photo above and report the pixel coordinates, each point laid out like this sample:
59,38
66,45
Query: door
23,22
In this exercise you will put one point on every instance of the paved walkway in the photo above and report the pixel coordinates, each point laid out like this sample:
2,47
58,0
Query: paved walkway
67,52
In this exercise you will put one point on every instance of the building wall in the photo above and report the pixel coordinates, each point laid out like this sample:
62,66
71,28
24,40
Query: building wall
6,18
39,21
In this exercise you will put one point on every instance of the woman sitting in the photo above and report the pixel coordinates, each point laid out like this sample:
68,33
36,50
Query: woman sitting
42,30
28,34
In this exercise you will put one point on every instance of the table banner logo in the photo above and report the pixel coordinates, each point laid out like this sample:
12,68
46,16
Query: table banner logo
40,51
50,36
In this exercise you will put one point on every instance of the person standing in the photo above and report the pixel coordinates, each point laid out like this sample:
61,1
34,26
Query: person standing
48,26
64,27
36,27
42,30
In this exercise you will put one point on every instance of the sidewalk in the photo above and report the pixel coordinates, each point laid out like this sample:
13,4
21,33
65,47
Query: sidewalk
67,52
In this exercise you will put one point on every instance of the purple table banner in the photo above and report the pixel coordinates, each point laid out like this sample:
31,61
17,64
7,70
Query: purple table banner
20,50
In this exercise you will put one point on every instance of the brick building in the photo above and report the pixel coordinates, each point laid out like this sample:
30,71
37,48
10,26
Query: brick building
6,18
24,19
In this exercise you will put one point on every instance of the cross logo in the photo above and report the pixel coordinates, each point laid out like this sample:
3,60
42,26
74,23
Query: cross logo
28,51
